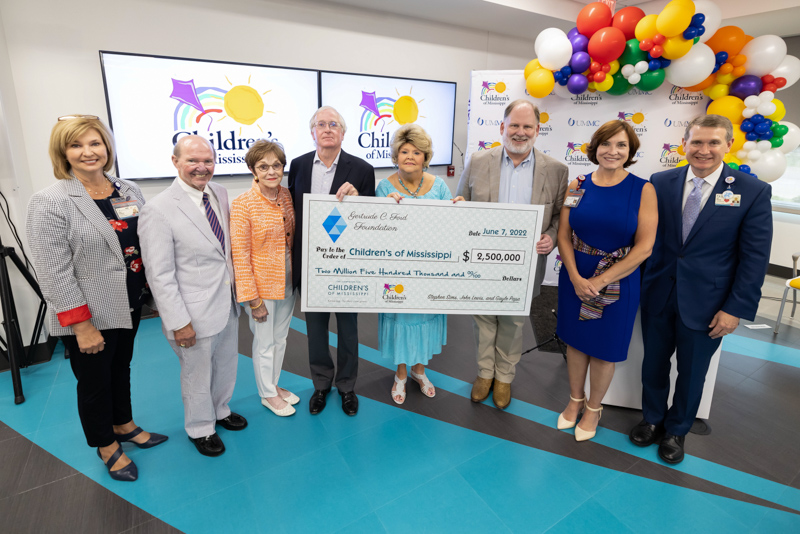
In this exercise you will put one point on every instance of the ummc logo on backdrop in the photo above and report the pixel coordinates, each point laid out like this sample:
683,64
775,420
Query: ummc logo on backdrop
486,145
491,93
379,115
683,97
675,124
201,108
669,155
576,154
637,119
489,122
582,122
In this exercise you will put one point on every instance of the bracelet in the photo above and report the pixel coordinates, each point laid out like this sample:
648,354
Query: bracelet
260,302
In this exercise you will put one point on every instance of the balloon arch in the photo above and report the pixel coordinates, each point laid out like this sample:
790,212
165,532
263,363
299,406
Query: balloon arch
685,46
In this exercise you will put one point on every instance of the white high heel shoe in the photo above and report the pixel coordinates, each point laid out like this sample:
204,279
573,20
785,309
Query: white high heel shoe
563,422
583,435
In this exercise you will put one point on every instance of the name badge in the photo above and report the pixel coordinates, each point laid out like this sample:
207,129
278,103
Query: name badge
728,199
125,208
574,197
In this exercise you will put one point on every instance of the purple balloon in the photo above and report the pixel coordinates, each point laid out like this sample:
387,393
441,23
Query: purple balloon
580,61
577,84
579,43
744,86
572,33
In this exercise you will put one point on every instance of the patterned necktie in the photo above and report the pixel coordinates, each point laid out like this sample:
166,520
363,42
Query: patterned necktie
213,221
692,208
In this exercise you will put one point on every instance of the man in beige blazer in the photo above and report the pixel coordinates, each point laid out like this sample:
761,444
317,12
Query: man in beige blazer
513,173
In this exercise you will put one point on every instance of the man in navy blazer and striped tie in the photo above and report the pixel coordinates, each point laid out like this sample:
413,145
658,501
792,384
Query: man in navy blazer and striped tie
184,234
708,264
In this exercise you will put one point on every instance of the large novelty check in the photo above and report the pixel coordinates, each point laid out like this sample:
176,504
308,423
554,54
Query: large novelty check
368,254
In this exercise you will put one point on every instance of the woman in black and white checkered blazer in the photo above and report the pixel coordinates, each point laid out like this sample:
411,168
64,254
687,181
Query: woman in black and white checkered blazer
82,233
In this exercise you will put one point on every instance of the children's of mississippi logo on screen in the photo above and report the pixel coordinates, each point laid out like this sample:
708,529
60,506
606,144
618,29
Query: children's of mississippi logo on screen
380,118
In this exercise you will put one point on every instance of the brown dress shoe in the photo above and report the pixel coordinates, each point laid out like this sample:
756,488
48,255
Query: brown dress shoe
502,394
480,389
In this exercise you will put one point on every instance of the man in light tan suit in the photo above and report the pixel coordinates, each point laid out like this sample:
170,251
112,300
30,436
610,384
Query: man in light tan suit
513,173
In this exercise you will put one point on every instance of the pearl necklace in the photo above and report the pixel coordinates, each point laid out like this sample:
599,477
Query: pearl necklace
415,193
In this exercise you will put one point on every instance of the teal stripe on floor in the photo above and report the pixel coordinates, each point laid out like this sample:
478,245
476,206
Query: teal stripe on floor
762,350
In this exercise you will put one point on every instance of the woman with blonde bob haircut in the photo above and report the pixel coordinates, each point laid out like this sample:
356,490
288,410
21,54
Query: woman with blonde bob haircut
412,339
262,234
83,237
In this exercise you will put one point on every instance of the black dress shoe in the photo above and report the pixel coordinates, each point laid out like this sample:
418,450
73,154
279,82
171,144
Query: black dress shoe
318,400
349,402
644,434
233,422
671,449
129,473
209,446
155,439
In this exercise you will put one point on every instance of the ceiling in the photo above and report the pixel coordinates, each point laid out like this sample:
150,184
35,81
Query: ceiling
526,18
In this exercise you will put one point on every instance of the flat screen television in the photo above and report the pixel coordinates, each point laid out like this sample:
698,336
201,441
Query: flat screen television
154,100
374,107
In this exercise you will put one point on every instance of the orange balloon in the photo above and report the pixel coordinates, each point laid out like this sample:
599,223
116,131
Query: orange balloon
727,68
738,71
708,82
730,39
738,60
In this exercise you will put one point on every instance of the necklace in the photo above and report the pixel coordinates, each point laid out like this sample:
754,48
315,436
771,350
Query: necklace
101,192
415,193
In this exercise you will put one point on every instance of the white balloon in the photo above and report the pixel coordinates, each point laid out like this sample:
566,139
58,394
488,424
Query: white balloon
754,155
752,101
749,145
764,54
763,146
792,138
692,68
766,96
634,78
641,67
553,49
770,166
748,112
562,91
627,70
742,154
713,17
767,108
789,69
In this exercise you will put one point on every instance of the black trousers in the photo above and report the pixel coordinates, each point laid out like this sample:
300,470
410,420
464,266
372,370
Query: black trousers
104,382
319,355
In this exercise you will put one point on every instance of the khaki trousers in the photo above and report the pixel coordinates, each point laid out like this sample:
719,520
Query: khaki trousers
499,342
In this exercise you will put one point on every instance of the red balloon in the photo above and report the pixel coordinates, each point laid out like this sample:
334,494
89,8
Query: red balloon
656,51
768,78
626,20
771,87
595,66
606,68
599,76
645,44
607,44
780,82
659,39
593,17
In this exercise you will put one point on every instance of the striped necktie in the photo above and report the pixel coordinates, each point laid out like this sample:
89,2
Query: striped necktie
692,208
213,221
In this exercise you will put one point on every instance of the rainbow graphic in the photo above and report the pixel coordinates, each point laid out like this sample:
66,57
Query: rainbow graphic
375,110
195,103
636,118
486,145
668,149
392,288
487,87
580,148
675,90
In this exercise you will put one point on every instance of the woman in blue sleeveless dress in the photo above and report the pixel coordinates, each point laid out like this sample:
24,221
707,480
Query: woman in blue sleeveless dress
602,240
411,339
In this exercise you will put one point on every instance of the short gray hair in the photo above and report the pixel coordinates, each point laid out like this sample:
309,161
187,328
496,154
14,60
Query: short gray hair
417,137
177,150
711,121
340,120
520,102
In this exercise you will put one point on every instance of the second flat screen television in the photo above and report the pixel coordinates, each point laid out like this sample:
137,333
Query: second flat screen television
374,107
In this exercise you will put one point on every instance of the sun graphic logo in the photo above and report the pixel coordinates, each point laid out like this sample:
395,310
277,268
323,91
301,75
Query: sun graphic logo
544,128
576,154
492,92
392,288
671,154
486,145
381,111
242,103
636,118
334,225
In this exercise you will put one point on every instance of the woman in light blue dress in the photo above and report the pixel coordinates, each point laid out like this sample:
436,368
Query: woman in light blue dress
411,339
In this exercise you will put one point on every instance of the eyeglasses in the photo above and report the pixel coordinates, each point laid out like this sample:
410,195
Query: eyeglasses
277,167
321,125
70,117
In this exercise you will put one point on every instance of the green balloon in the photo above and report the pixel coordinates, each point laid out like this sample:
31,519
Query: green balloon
632,53
776,141
733,166
620,86
779,129
696,39
652,79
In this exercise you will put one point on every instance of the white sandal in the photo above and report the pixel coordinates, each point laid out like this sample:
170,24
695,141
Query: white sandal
400,391
563,422
424,384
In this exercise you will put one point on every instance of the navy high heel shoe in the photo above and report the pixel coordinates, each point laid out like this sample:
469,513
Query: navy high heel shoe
129,473
155,439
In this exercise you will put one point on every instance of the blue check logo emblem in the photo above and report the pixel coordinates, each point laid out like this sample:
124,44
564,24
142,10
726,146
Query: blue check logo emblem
334,224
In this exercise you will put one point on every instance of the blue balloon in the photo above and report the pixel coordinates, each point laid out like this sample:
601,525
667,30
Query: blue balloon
690,33
558,76
761,128
751,136
698,19
700,31
721,57
716,68
766,136
755,119
747,126
653,64
665,62
745,168
566,71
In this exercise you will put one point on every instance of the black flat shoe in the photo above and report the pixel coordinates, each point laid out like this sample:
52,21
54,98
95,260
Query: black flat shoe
209,445
644,434
129,473
349,402
671,449
233,422
318,400
155,439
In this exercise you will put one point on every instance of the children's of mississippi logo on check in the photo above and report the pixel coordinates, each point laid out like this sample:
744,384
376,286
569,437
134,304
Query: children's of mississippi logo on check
393,293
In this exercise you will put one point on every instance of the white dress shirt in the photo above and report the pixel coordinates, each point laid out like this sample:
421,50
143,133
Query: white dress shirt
708,185
322,176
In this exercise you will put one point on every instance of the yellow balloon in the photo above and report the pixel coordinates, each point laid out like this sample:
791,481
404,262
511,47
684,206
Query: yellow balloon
681,152
530,67
738,140
728,106
605,85
682,163
718,91
780,112
646,27
540,83
730,158
675,17
676,47
725,79
614,68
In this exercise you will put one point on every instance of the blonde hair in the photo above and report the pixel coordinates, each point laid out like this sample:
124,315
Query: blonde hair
67,131
416,136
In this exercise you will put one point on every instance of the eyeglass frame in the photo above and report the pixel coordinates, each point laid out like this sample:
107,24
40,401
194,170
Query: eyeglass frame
278,166
333,125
